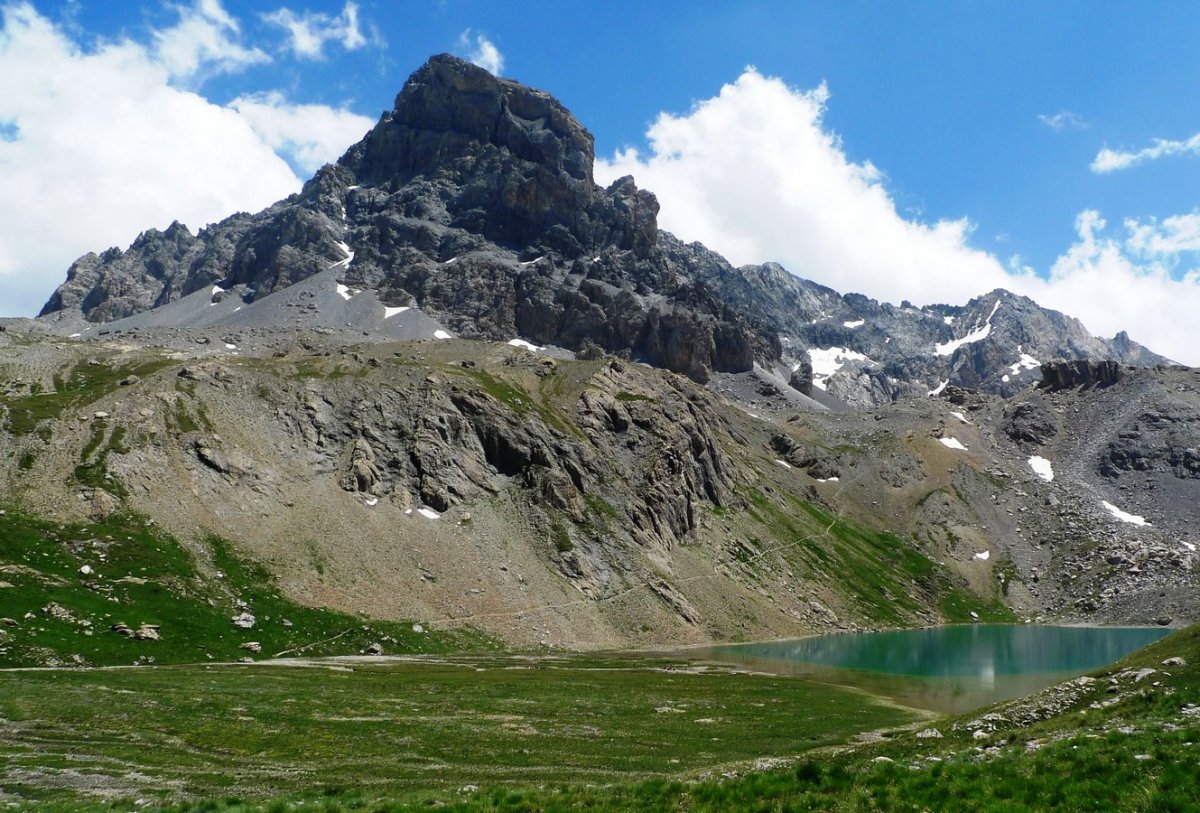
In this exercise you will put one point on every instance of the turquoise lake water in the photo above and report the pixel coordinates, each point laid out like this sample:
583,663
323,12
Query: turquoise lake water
945,669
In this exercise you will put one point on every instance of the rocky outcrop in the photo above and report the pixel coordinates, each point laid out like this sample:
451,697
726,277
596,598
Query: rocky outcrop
637,473
362,475
1064,375
1031,422
818,464
1157,441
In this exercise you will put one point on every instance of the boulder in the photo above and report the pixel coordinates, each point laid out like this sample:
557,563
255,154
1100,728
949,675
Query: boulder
1031,422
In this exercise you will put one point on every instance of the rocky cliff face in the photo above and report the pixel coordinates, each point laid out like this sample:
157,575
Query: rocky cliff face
473,200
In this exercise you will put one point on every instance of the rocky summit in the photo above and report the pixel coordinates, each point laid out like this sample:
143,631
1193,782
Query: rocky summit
456,383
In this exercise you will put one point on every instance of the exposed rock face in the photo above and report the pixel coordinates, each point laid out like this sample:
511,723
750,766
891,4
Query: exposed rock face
157,268
636,473
464,480
362,475
1063,375
510,164
1159,441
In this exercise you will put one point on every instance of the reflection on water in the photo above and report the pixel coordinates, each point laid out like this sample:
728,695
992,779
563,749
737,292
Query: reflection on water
946,669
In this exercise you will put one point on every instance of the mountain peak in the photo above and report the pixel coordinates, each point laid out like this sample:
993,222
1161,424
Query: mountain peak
449,108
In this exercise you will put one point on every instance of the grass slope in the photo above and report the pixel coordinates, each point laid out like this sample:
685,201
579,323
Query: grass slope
63,587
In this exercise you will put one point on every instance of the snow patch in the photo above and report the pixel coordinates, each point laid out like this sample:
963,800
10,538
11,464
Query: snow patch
1025,362
826,362
855,323
1042,468
979,333
784,463
75,336
452,259
827,480
936,391
987,554
1132,519
345,291
371,501
217,289
961,417
533,348
948,320
441,334
229,346
349,256
952,443
429,513
531,262
1189,546
388,313
1004,378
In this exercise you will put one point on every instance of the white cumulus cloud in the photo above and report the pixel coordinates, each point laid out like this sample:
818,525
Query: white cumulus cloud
310,134
754,174
482,52
309,31
98,143
1108,160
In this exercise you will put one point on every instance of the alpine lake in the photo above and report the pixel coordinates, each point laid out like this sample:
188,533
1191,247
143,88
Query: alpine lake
951,669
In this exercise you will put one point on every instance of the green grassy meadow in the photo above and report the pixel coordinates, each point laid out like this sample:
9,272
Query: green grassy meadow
405,732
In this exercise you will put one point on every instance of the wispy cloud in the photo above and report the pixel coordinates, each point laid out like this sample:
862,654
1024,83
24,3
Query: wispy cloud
1063,120
1174,235
481,51
310,31
204,41
1112,160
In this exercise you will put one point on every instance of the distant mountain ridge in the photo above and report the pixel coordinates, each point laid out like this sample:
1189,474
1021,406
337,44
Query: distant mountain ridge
473,203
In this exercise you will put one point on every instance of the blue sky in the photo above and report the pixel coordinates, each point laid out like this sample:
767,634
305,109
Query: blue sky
927,151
